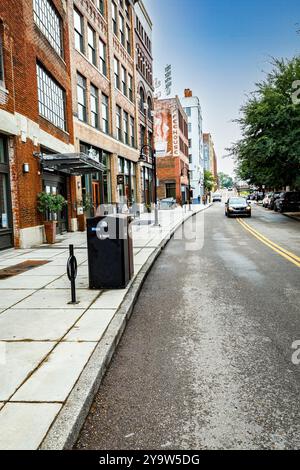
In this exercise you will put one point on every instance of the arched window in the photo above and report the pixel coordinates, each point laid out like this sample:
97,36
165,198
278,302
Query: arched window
142,100
150,108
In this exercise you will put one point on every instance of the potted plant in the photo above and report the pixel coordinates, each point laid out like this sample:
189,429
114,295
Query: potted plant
50,205
148,208
85,205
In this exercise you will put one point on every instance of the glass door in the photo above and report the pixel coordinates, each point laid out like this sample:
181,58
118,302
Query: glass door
6,233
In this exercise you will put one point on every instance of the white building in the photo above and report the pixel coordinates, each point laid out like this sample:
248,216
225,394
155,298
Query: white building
192,107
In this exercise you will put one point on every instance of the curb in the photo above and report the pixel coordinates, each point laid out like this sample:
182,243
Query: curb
291,217
66,427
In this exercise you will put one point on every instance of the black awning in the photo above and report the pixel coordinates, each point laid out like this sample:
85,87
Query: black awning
71,163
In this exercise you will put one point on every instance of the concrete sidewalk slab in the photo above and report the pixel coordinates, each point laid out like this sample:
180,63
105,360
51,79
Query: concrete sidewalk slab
55,378
10,297
92,326
21,358
58,298
37,324
25,424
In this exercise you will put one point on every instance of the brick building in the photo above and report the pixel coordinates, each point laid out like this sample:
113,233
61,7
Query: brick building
104,98
35,114
145,90
171,143
210,157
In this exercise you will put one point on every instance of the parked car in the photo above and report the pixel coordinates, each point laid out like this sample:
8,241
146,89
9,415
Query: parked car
236,206
288,202
266,200
217,197
273,198
168,203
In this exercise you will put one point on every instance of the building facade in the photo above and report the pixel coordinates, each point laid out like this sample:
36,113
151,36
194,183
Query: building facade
35,115
171,143
105,104
145,90
192,107
210,157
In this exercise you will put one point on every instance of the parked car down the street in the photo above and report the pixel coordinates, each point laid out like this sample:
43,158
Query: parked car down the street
273,198
217,197
288,202
237,206
168,203
266,200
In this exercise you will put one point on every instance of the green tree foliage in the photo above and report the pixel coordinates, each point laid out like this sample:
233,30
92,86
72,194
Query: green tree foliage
269,151
209,181
225,181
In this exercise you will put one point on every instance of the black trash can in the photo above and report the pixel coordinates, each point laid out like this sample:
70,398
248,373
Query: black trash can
110,251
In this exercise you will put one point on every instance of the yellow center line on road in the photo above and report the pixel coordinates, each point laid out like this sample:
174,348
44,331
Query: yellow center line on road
278,249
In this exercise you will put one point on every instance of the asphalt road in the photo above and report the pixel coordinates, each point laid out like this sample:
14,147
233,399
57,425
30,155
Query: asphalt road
206,360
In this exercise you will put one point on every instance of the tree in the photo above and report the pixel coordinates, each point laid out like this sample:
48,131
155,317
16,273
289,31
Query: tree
225,181
269,151
209,181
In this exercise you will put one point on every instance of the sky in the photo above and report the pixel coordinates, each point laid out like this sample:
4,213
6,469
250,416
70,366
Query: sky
220,49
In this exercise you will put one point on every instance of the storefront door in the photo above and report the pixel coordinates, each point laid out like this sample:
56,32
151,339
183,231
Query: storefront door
55,183
6,232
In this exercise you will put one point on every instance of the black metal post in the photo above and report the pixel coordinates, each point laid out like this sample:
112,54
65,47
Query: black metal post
72,274
189,177
156,222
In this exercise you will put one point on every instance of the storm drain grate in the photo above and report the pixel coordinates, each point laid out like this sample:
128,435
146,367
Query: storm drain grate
20,268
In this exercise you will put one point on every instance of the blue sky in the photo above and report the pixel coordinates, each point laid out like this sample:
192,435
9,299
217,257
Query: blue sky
219,49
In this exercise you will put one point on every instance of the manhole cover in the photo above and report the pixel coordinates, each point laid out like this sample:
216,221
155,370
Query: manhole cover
21,268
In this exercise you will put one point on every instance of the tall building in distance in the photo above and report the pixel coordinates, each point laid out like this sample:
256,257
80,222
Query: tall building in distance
210,157
192,107
145,90
171,143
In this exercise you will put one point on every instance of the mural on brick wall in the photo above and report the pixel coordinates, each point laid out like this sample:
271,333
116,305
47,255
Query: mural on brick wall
161,132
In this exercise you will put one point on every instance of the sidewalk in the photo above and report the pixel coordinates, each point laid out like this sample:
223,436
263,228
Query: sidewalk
46,344
293,215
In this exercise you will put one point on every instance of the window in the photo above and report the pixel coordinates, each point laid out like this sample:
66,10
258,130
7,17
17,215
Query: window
142,135
188,112
130,88
81,97
78,26
122,30
190,127
117,73
91,45
191,158
94,106
102,57
125,127
127,9
171,190
124,81
118,123
142,101
150,110
190,143
114,18
105,114
128,40
100,6
132,131
1,64
49,22
51,98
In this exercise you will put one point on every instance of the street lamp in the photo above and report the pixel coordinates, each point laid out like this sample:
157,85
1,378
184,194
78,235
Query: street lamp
143,159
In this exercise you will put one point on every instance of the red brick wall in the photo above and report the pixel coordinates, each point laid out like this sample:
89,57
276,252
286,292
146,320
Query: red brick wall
23,45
